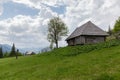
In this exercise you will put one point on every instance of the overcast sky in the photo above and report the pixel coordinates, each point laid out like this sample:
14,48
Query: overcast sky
24,22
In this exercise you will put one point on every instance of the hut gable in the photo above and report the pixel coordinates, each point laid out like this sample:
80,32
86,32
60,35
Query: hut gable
88,29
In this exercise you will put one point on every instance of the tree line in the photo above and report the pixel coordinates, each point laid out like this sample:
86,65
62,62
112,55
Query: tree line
13,53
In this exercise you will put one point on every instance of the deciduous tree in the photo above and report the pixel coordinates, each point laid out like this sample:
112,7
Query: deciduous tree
56,29
117,25
117,29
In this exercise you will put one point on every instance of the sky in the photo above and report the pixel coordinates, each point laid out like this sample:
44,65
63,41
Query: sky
24,22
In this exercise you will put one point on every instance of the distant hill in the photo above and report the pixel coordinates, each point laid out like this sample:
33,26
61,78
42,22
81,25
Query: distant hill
5,47
24,50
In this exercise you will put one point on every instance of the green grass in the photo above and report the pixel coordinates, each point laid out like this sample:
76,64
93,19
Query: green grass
97,64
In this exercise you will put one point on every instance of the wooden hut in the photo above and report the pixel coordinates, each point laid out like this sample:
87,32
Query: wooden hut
88,33
30,53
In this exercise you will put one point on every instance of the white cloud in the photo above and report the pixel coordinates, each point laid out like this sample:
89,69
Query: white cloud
101,12
24,30
46,12
40,3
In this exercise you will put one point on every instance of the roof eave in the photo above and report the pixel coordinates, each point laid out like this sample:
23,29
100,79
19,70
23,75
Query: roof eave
85,35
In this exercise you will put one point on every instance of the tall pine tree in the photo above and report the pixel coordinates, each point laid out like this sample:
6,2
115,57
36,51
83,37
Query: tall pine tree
1,52
13,52
109,31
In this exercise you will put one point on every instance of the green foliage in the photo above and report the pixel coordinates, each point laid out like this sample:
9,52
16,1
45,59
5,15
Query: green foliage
6,54
111,37
13,52
117,29
19,54
110,32
75,50
56,29
117,25
1,52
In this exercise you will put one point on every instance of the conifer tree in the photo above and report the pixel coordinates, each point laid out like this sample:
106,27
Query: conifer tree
1,52
13,52
109,31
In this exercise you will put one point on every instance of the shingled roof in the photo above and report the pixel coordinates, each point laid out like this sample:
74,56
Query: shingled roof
87,29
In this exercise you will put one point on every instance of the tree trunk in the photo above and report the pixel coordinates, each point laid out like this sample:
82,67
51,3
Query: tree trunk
56,44
17,54
56,39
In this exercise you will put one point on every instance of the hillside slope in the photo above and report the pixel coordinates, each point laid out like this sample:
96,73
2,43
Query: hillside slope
103,64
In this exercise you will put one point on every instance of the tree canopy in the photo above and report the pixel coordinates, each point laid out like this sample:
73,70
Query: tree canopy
56,29
116,29
117,25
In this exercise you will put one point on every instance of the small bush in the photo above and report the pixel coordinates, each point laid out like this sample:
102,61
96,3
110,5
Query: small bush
6,54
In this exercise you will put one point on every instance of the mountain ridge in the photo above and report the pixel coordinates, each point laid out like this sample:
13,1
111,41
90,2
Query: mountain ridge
7,48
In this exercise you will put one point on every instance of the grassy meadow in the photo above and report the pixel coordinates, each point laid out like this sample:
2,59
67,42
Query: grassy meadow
88,63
